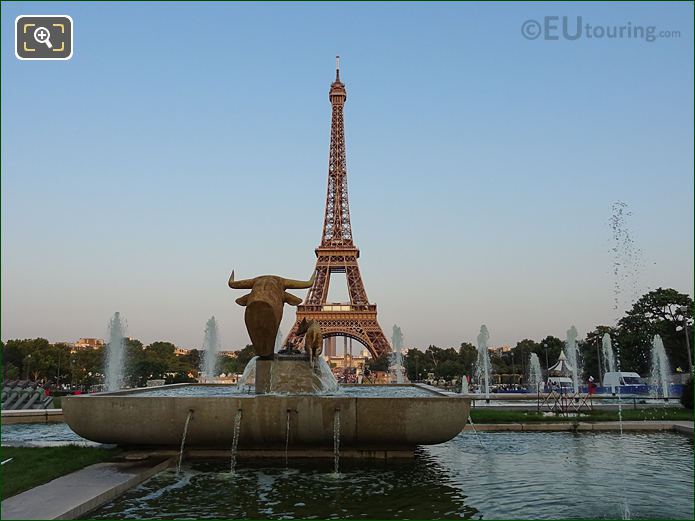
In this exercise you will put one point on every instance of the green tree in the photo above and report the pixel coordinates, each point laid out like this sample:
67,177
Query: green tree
245,355
417,364
468,354
10,371
439,355
663,312
36,358
27,355
161,359
449,369
135,370
189,363
548,350
87,367
450,364
522,355
230,365
151,362
50,362
377,364
500,364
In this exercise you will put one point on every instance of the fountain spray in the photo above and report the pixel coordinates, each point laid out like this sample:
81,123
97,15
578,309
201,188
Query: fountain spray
397,359
115,353
483,361
211,346
660,369
571,348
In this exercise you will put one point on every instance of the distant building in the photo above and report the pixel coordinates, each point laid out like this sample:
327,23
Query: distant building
87,343
230,354
499,349
181,351
345,362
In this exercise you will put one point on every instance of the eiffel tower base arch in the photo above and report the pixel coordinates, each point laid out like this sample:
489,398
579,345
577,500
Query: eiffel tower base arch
361,326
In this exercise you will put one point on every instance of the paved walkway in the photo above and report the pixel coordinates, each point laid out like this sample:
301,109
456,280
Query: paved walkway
77,494
679,426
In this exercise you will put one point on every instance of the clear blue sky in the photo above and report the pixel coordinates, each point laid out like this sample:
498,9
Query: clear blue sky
186,139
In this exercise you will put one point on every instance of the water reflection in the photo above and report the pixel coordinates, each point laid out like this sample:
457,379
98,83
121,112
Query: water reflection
40,434
565,475
515,475
411,490
371,391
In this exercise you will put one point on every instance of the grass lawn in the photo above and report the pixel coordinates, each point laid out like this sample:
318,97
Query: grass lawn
34,466
493,415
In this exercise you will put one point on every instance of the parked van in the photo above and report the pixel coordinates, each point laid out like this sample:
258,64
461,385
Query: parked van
562,384
629,383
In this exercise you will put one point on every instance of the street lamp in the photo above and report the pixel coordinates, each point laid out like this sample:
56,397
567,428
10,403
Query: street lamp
58,377
687,339
547,366
28,365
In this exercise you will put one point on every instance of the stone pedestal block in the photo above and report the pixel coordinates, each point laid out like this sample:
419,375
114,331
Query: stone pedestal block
263,375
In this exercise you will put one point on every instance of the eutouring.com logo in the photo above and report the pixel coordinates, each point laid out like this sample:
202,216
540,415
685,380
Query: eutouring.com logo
575,28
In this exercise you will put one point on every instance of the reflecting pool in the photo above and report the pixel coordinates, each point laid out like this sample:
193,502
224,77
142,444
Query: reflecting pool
511,475
40,434
361,391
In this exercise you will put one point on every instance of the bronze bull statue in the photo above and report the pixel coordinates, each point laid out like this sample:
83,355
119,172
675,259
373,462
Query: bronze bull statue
264,307
313,338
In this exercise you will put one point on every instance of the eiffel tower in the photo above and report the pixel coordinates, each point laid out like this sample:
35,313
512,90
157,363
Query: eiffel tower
338,254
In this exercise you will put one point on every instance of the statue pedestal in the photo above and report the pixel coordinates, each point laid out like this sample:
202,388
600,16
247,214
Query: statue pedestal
263,374
287,374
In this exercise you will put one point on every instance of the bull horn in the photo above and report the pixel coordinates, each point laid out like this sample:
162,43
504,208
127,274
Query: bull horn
240,284
299,284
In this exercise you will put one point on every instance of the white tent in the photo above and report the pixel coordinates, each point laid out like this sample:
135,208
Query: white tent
561,368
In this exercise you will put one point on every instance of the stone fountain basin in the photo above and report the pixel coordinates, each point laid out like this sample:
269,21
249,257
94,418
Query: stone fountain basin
370,423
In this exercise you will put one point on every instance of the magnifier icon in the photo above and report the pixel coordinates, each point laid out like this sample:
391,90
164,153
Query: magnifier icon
43,35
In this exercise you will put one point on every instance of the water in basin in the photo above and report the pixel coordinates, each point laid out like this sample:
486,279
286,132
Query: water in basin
361,391
40,435
512,475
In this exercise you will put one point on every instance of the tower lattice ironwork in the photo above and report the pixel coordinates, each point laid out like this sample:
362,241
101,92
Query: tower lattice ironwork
338,254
